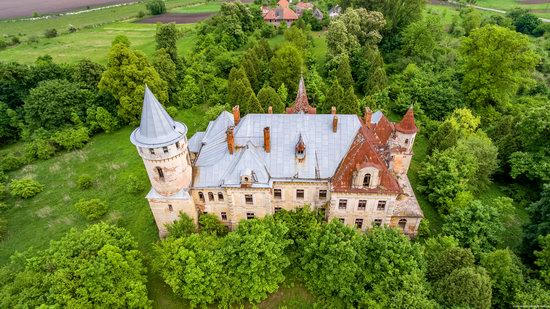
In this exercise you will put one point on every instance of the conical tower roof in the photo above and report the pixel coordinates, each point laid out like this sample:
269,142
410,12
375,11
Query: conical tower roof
157,128
407,125
301,104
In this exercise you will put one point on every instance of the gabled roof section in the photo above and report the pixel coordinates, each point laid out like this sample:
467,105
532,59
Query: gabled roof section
383,129
407,124
301,104
280,13
304,5
283,3
157,128
248,161
362,153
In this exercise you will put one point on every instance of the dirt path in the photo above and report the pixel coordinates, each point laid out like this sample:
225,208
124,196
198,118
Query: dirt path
25,8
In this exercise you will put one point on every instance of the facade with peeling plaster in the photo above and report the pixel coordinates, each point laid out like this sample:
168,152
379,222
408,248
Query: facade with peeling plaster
354,168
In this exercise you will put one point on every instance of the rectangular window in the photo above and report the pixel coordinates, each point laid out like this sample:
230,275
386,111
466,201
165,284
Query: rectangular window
165,149
343,204
201,196
249,215
362,205
359,223
277,209
377,222
342,220
210,196
220,196
224,216
178,145
322,194
278,194
170,208
248,199
152,151
300,194
381,205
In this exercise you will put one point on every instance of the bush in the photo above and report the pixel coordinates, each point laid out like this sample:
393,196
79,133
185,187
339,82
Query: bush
182,227
50,33
25,187
92,209
141,14
71,29
156,7
10,162
33,39
40,149
15,40
3,227
85,182
172,111
105,120
3,44
134,185
210,224
71,139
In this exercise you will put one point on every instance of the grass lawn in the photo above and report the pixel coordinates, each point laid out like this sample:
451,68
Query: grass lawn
93,44
210,7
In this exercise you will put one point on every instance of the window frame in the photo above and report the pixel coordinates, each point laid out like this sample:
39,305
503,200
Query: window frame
165,149
152,151
323,194
249,199
221,198
300,194
211,197
362,205
377,222
278,194
368,177
381,205
343,202
223,216
250,215
160,172
277,209
201,196
170,208
360,224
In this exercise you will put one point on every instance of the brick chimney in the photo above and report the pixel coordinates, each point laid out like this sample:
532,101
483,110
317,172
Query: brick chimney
333,110
270,110
236,114
334,123
368,116
267,140
231,139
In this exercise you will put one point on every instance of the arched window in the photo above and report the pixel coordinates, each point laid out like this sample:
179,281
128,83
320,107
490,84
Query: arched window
201,196
170,208
161,173
402,223
366,180
210,196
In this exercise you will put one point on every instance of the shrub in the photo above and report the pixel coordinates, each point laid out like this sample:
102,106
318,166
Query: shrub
3,205
25,187
105,120
156,7
210,224
3,227
182,227
33,39
10,162
40,149
85,182
15,40
141,14
92,209
134,184
71,139
3,44
71,29
172,111
50,33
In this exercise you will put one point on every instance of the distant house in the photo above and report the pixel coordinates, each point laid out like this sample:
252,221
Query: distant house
301,7
335,11
265,9
281,14
318,14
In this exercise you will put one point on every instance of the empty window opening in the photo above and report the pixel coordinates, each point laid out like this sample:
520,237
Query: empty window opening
165,149
178,145
201,196
300,194
220,196
170,208
249,215
381,205
278,194
362,205
210,196
322,194
366,180
224,216
151,150
161,173
359,223
342,220
248,199
377,222
277,209
402,223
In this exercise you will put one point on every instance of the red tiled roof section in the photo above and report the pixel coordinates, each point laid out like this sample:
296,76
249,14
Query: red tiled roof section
360,154
305,5
301,104
407,125
283,3
280,13
383,129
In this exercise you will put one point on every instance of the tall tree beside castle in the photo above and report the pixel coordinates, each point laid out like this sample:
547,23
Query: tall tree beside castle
239,89
286,65
127,73
269,97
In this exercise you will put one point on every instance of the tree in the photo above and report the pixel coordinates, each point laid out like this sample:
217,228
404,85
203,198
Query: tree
239,89
253,106
8,125
349,104
421,38
524,21
297,37
88,74
99,266
156,7
371,75
189,94
269,97
343,73
543,258
210,224
496,62
51,104
335,96
286,65
534,293
125,78
477,226
166,38
506,274
465,287
460,124
478,150
471,19
15,83
538,227
182,227
283,93
316,88
167,70
443,255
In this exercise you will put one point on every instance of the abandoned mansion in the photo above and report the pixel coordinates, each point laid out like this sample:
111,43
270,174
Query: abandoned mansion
242,168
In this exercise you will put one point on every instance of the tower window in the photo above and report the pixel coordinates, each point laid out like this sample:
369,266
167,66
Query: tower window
377,222
342,204
406,141
359,223
249,215
277,194
248,199
170,208
366,180
322,194
178,145
220,197
224,216
161,173
300,194
402,223
210,196
152,150
362,205
381,205
165,149
201,196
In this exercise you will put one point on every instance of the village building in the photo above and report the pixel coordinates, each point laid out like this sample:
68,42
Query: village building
239,168
335,11
280,14
301,7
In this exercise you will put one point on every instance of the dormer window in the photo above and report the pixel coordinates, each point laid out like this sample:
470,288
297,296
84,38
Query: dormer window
366,180
300,149
248,176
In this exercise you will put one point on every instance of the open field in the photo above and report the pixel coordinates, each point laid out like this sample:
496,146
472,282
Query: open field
94,44
209,7
177,18
26,8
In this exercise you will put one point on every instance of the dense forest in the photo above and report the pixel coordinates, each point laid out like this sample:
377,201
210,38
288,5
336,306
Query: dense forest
479,85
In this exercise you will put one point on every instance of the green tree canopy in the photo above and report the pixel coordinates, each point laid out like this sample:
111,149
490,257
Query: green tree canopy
269,97
468,287
506,274
286,65
167,70
166,38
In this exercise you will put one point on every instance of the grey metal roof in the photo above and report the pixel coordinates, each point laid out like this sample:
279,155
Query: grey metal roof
376,116
157,128
324,148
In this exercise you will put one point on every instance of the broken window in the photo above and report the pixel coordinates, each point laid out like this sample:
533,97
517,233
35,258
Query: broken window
362,205
342,204
248,199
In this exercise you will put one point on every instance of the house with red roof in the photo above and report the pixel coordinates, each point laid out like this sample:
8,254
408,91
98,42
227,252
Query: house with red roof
281,14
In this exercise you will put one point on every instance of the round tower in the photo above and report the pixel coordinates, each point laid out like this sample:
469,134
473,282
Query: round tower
162,144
